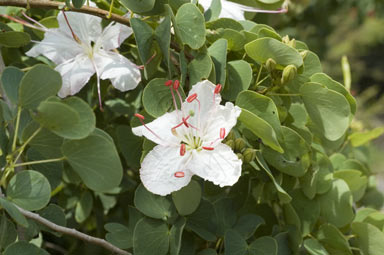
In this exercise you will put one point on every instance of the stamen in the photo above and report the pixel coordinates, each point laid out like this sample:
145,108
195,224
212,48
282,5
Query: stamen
185,121
34,21
182,149
191,98
218,88
222,133
138,115
141,118
208,148
176,84
179,174
70,28
23,22
168,83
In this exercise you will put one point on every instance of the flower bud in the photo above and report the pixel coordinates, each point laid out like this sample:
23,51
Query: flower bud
230,143
249,155
240,156
303,54
270,64
289,74
231,136
239,144
292,43
285,39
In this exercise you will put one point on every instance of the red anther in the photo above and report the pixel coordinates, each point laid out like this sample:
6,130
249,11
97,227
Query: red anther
139,116
191,98
179,174
218,88
168,83
222,133
176,84
185,121
208,148
182,149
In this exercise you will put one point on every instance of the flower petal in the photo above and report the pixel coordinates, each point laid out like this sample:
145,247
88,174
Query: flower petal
86,27
75,74
220,166
56,46
162,127
159,167
123,74
224,117
114,35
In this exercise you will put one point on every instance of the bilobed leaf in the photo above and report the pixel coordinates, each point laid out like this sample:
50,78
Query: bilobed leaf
154,206
95,160
24,248
151,237
129,145
247,224
265,245
54,214
29,189
14,39
369,238
78,3
329,110
139,6
38,84
314,247
357,182
234,243
84,207
188,198
176,236
144,38
10,79
203,221
264,48
225,215
163,37
12,211
191,25
199,68
239,77
360,138
333,240
218,53
118,235
8,230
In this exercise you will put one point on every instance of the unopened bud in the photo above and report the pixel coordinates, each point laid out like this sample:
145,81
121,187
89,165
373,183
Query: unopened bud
249,155
240,156
231,136
230,143
239,144
303,54
289,74
292,43
285,39
270,64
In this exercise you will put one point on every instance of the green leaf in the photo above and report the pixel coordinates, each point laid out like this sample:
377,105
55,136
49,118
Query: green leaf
203,221
329,110
218,53
336,204
225,214
84,207
139,6
262,106
296,158
8,230
369,238
157,98
191,25
357,182
24,248
54,214
234,243
95,160
360,138
213,11
199,68
38,84
333,240
265,245
188,198
78,3
10,79
163,37
151,237
176,235
314,247
264,48
15,214
247,224
118,235
236,40
239,77
152,205
144,36
129,145
29,189
261,129
14,39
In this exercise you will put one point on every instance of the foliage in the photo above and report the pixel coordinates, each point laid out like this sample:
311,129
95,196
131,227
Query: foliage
306,184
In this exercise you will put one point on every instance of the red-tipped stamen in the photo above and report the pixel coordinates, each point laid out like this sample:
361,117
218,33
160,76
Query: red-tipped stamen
34,21
22,22
218,89
70,28
168,83
182,149
208,148
179,174
191,98
185,121
141,118
222,133
138,115
176,85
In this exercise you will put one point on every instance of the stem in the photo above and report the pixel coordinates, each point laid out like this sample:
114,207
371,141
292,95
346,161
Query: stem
258,75
110,10
16,128
59,5
72,232
40,162
22,147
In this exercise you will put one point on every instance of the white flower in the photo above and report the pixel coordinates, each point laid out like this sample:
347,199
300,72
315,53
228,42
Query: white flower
190,142
236,11
81,48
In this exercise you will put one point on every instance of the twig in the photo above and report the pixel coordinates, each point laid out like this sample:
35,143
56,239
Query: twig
59,5
73,232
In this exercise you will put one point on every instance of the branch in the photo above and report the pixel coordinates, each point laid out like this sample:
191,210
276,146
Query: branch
73,232
45,4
